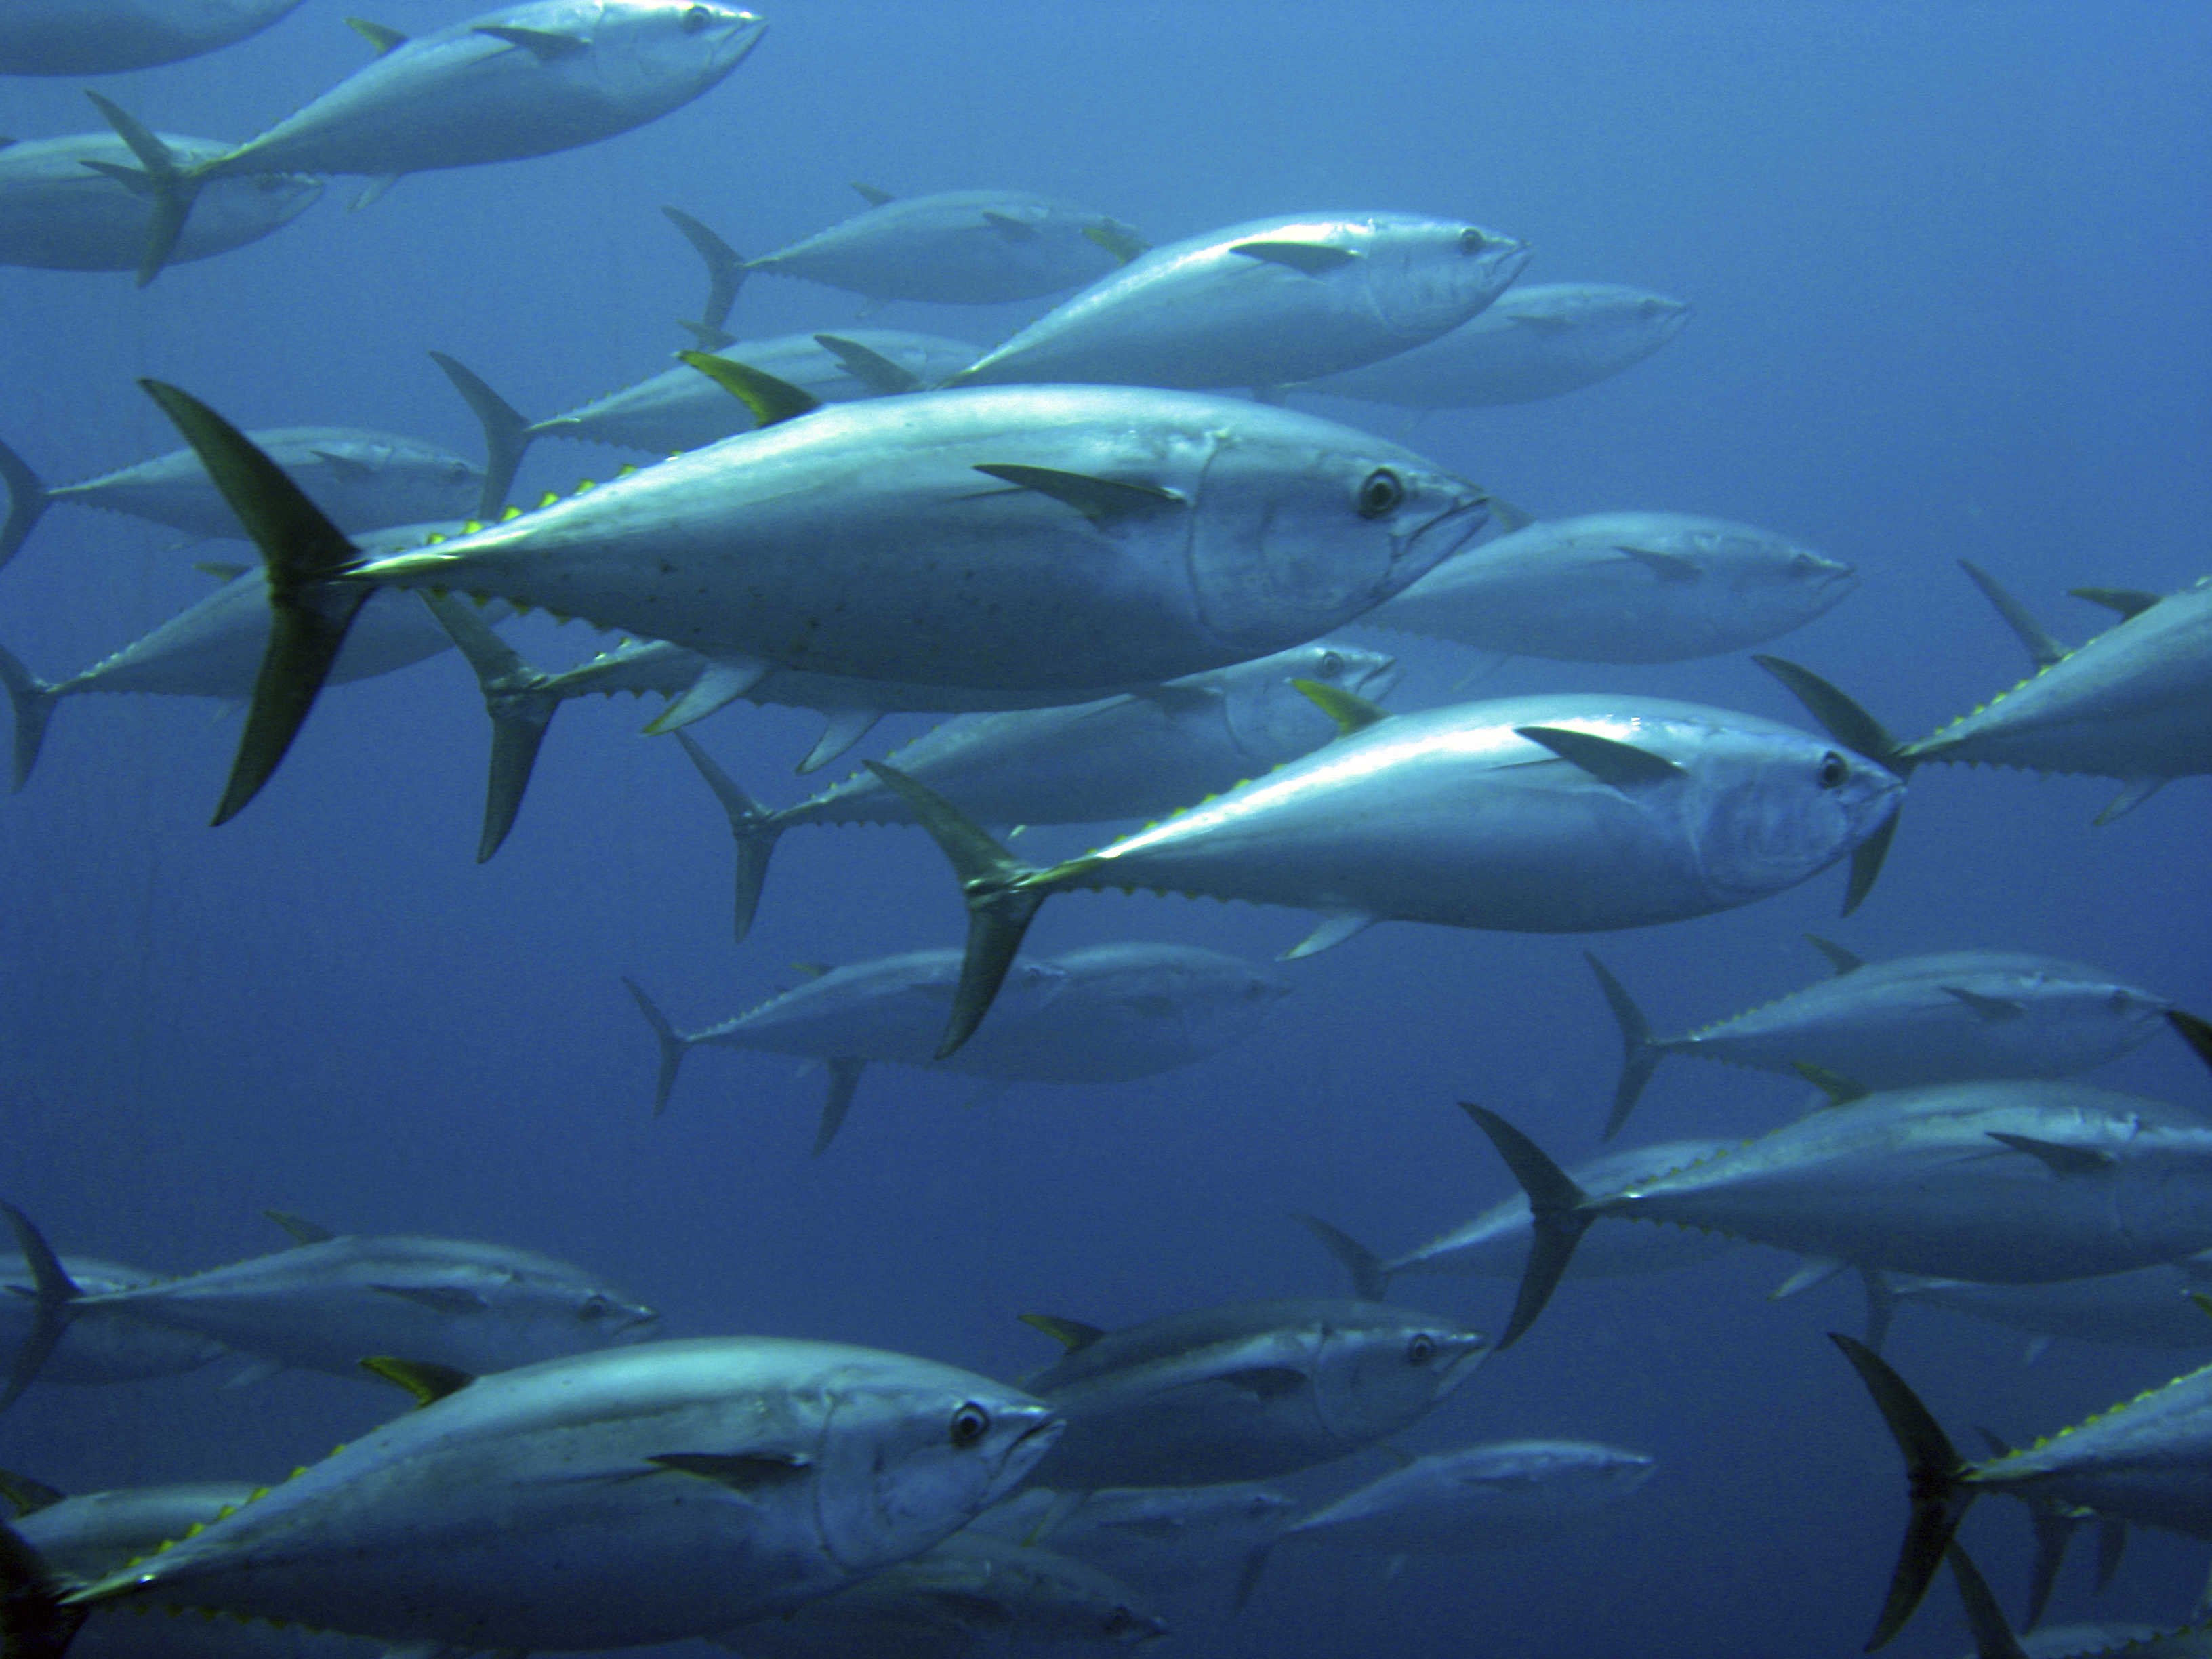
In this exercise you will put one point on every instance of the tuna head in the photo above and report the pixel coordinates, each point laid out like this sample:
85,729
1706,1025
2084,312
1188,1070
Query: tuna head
668,52
1774,806
1304,524
1272,721
1377,1374
913,1450
1423,277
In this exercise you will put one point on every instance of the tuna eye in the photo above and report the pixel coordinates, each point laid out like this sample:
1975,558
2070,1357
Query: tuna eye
1381,494
1834,769
1472,241
1421,1350
969,1424
696,18
1331,664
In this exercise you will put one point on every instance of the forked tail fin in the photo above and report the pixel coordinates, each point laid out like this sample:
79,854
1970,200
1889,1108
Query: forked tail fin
1558,1213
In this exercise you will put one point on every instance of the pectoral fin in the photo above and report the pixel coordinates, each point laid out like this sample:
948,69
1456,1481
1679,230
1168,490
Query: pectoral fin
2138,790
1310,259
1013,229
1671,567
2059,1159
1335,927
346,466
1989,1008
1549,327
746,1471
721,683
439,1299
547,46
1622,765
846,727
1101,500
1266,1382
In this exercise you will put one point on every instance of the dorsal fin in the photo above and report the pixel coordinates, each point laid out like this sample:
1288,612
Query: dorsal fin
1350,711
872,194
26,1495
2042,649
771,400
428,1383
1071,1333
384,39
1843,961
303,1231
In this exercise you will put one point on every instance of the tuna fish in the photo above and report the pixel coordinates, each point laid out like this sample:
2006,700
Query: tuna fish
959,247
333,1301
1532,342
77,203
525,80
1494,1495
2148,1308
1548,814
1625,587
1159,1536
100,1351
1954,1016
105,37
1108,1013
1245,1392
1082,539
579,1504
1265,303
1135,755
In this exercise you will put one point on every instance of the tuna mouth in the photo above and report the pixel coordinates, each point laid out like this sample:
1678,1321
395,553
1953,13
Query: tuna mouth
1458,525
1378,683
1026,1451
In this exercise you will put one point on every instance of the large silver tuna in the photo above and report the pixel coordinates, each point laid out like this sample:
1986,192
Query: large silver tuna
1495,1244
618,1499
106,1351
333,1301
1493,1496
1627,587
522,81
105,37
1108,1013
959,247
1953,1017
1135,755
1534,342
1265,303
78,203
1245,1392
1082,539
1545,814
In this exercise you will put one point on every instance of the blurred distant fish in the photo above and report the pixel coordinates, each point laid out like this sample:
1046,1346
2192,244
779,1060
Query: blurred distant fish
1627,587
1545,814
2152,1307
80,204
1244,1392
1108,1013
1157,1536
106,37
2133,704
959,247
1131,757
1533,343
1265,303
522,80
99,1351
1954,1016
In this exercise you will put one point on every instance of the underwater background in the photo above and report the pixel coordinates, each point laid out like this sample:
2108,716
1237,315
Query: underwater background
1949,271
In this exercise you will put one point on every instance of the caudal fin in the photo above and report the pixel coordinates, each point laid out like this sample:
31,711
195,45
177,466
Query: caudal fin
27,502
1640,1053
1370,1278
518,702
754,829
1003,895
674,1045
1557,1212
507,433
1933,1476
32,701
301,549
725,275
52,1292
173,189
1845,721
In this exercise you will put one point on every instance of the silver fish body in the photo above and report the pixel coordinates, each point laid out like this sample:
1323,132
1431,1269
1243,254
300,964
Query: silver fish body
1494,1495
1622,587
1534,342
642,1495
1245,1392
59,210
105,37
958,248
99,1351
2147,1308
1265,303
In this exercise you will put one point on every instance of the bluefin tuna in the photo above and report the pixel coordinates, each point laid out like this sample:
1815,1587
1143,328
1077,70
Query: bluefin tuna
959,247
106,37
1245,1392
1953,1017
1548,814
575,1504
1622,587
78,203
524,80
1533,343
1265,303
1083,539
1108,1013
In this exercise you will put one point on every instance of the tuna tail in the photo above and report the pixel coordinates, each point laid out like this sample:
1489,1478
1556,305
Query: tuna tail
32,700
1557,1210
754,831
52,1292
507,434
34,1624
725,275
2054,1526
674,1045
27,501
519,706
1371,1278
1993,1638
1935,1475
1640,1052
174,189
302,550
1857,729
1003,895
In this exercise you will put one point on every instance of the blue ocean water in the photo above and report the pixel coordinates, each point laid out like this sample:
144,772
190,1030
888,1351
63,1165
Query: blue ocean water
1949,272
